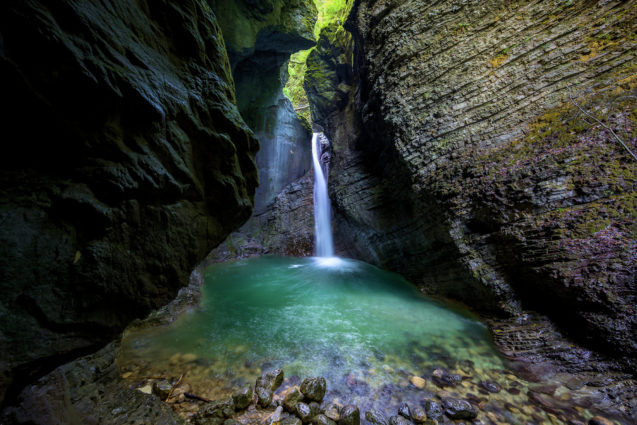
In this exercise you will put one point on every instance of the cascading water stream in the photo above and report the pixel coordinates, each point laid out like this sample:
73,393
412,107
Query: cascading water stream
322,215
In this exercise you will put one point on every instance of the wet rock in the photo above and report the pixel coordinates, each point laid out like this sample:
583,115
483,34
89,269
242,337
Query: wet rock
291,398
433,409
492,387
215,412
403,410
292,420
174,195
350,415
304,412
599,420
376,417
314,388
264,396
162,388
443,378
242,397
333,411
270,380
417,382
399,420
315,408
321,419
275,417
459,409
418,414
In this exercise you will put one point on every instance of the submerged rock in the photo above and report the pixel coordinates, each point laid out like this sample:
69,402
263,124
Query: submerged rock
599,420
418,414
314,388
459,409
492,387
376,417
161,388
417,382
433,409
399,420
404,411
350,415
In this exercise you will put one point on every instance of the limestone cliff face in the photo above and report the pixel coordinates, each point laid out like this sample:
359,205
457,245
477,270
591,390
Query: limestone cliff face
462,162
124,161
260,37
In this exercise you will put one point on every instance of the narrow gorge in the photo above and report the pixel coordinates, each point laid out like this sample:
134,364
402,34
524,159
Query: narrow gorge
326,212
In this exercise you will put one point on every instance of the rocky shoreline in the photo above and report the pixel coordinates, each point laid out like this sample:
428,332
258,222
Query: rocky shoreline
540,387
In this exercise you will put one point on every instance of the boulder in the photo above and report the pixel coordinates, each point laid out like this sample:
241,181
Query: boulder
314,388
350,415
242,397
458,409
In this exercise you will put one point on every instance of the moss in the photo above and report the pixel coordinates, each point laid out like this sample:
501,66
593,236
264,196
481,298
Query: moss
330,12
498,60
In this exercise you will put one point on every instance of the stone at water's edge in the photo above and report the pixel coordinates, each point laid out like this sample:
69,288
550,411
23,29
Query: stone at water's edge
291,398
124,161
350,415
458,409
95,396
242,397
270,380
314,388
399,420
376,417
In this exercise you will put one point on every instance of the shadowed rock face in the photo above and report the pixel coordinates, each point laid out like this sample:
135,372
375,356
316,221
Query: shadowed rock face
462,163
261,35
123,162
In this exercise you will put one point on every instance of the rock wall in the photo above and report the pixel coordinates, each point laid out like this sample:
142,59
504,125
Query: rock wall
124,161
464,162
261,36
285,227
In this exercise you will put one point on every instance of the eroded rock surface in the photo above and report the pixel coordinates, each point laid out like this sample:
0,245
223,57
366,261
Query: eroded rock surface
124,161
260,37
464,161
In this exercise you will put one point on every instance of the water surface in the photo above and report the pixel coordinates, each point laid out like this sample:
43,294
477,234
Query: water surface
360,327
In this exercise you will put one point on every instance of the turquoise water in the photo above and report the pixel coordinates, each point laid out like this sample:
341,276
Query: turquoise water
357,325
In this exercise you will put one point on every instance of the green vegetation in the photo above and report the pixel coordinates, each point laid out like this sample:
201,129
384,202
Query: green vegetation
329,11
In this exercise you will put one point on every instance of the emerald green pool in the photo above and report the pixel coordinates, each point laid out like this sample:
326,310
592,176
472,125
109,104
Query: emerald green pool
360,327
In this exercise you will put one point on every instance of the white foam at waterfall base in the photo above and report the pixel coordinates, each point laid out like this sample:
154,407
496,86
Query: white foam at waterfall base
322,210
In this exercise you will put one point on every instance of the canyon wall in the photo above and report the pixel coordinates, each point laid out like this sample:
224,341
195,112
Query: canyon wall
260,37
479,156
124,161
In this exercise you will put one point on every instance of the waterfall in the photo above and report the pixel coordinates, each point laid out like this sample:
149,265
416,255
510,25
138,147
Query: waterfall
322,223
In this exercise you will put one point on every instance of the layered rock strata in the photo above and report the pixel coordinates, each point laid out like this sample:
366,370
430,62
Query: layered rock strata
479,157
